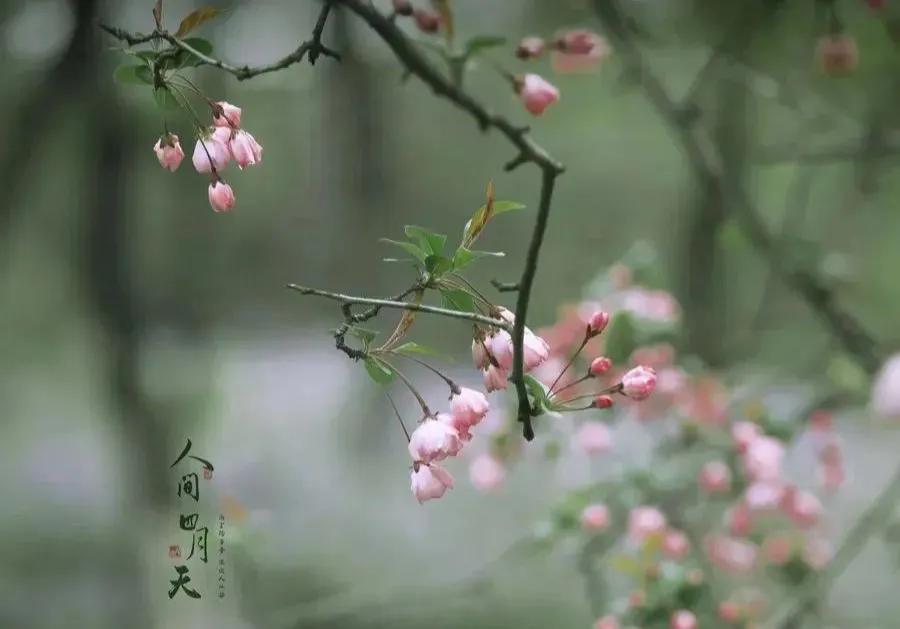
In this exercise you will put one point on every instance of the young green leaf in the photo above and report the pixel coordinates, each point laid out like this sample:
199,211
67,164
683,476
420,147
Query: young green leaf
409,248
134,75
438,265
428,240
378,371
464,257
416,348
538,392
195,18
507,206
185,59
164,98
480,43
363,334
457,299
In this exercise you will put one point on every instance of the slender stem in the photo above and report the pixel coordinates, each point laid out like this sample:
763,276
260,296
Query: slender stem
402,305
569,364
397,413
411,387
478,293
454,388
571,384
616,388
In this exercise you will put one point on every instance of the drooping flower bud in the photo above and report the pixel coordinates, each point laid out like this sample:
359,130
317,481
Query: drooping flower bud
536,350
530,48
487,473
595,518
480,357
469,406
495,378
226,115
639,383
169,152
536,93
433,440
221,196
211,151
429,481
593,438
427,21
245,149
501,348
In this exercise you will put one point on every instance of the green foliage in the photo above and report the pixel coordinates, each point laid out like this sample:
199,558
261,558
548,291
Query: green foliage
130,74
165,99
378,370
457,299
416,348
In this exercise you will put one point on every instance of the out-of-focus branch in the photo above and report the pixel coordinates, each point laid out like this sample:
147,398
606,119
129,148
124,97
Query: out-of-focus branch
311,48
707,165
415,62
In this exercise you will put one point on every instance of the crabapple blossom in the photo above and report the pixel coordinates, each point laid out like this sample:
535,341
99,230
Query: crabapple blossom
886,390
429,481
530,47
227,115
715,477
837,54
578,51
729,611
683,619
777,550
495,378
211,151
600,366
598,321
501,348
487,473
221,196
536,93
803,508
763,496
603,401
536,350
731,554
607,622
427,21
169,152
468,406
480,357
595,517
645,521
743,433
639,383
675,544
593,438
739,519
434,440
244,148
762,460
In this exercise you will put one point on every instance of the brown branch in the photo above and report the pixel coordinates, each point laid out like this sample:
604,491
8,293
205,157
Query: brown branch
312,48
409,54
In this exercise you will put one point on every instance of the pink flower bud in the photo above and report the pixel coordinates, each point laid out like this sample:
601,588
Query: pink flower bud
228,116
600,366
732,555
675,544
729,611
762,460
683,619
579,51
804,509
530,48
429,481
837,54
743,433
777,550
578,42
593,438
460,426
501,348
715,478
603,401
480,357
427,21
644,522
607,622
403,7
536,93
221,196
639,383
211,151
487,473
245,149
598,321
595,518
469,406
506,314
433,440
535,348
168,151
495,378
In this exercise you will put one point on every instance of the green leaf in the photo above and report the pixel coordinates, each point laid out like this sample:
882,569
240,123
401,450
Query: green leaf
134,75
457,299
464,257
507,206
416,348
480,43
185,59
409,248
378,371
363,334
538,392
626,565
195,18
438,265
428,240
164,98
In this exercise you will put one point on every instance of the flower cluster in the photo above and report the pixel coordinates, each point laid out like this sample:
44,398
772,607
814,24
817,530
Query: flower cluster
216,147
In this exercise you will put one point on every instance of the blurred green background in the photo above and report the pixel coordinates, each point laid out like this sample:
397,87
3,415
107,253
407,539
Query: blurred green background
133,317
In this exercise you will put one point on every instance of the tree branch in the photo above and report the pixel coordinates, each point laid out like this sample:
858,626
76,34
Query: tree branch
311,48
417,64
402,305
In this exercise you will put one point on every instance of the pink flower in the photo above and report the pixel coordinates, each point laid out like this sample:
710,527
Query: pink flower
433,440
639,383
607,622
762,460
495,378
221,196
729,611
536,350
603,401
600,366
227,115
427,21
579,51
715,478
501,348
675,544
593,438
777,550
530,48
886,390
168,152
803,508
595,517
739,519
487,473
732,555
763,496
480,357
837,54
536,93
245,150
460,426
644,522
743,433
683,619
469,406
578,42
429,481
211,151
598,321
